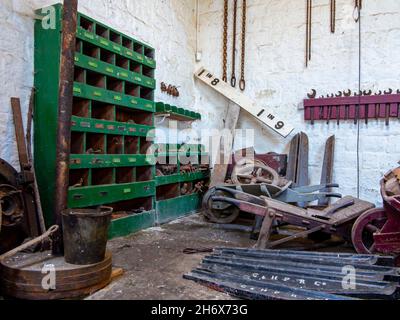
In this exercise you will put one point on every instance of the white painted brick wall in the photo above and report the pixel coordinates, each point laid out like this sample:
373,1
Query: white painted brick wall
278,79
167,25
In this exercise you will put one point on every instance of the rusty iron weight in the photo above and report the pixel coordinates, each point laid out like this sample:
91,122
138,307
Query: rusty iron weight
69,26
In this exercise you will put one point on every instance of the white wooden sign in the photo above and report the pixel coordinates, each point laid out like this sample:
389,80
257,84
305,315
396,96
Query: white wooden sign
271,120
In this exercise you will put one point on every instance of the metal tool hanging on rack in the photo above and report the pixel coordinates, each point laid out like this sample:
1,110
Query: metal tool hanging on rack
309,32
347,106
333,16
357,10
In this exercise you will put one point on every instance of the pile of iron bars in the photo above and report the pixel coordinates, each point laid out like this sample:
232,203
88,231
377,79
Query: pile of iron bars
291,275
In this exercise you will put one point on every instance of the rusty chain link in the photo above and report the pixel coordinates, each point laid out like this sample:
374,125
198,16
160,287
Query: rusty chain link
225,44
233,77
242,84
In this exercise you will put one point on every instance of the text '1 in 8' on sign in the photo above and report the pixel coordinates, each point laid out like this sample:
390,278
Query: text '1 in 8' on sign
268,118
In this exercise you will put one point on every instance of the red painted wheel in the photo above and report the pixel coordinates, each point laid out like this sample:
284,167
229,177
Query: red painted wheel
364,229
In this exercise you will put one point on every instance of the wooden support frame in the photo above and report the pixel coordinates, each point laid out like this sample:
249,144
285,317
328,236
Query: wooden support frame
67,66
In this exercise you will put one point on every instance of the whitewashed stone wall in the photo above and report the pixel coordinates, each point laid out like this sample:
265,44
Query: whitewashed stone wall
167,25
276,76
278,79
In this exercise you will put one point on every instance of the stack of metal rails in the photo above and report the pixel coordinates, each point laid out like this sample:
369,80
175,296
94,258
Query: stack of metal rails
182,176
297,275
112,125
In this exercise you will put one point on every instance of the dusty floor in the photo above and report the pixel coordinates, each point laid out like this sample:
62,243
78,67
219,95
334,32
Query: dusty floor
154,262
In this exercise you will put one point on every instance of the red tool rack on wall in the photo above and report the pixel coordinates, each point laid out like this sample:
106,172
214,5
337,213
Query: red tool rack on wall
352,108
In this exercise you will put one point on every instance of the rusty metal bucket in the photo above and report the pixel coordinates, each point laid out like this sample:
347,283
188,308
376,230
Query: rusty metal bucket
85,234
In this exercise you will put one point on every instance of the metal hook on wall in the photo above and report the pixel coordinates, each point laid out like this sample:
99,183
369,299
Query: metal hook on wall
357,10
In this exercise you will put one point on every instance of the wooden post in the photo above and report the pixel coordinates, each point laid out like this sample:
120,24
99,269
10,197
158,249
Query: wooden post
69,25
26,170
221,169
266,229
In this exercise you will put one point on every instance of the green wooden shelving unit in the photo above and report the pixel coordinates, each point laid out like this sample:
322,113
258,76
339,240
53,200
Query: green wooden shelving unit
112,124
176,193
112,127
175,113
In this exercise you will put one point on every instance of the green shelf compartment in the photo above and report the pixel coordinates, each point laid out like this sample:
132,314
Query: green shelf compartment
103,43
105,194
94,161
131,224
172,209
166,211
105,32
107,69
109,33
168,191
188,177
110,127
176,113
88,92
181,177
165,180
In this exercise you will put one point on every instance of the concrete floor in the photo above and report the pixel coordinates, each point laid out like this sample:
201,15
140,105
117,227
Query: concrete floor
154,262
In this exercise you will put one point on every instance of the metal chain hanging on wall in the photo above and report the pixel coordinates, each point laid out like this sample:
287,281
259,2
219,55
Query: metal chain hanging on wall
242,83
233,76
225,44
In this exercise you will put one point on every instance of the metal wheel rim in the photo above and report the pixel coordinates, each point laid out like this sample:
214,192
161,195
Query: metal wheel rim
364,228
225,216
255,169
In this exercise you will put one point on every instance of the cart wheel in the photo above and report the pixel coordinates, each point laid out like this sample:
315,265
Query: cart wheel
364,229
249,172
219,212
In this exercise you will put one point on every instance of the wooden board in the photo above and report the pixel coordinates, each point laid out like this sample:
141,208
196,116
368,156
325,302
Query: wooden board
302,170
220,169
270,119
327,168
298,160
